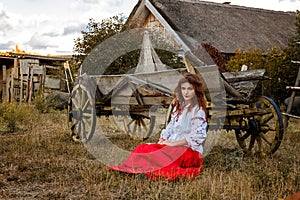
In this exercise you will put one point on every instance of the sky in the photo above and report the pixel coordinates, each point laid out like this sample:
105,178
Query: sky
50,26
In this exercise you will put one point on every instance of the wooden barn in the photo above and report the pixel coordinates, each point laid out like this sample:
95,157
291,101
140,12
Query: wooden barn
23,75
223,27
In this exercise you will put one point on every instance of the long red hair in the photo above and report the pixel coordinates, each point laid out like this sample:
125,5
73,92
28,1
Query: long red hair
199,98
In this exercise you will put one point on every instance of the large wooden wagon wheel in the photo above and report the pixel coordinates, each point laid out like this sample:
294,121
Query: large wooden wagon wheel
265,129
82,112
139,126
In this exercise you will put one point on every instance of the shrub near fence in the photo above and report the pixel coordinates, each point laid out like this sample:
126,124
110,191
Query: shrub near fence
278,68
11,113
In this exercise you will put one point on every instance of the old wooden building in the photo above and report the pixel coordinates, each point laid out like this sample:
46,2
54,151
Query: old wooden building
225,27
22,75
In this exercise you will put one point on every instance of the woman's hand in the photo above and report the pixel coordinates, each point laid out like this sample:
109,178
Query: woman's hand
169,143
161,140
165,142
174,144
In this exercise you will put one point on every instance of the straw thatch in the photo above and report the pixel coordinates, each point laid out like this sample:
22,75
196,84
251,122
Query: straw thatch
227,27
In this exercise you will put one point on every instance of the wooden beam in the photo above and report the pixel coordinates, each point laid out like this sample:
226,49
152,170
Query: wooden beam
4,83
290,115
293,88
12,92
140,14
21,85
30,84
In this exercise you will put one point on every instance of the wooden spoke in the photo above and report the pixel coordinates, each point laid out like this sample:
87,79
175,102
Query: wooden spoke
265,128
139,126
82,112
259,144
245,136
266,118
262,135
252,141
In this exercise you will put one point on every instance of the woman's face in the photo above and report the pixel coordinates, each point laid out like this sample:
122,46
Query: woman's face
188,92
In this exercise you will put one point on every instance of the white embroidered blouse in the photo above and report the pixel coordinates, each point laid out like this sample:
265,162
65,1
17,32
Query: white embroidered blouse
190,125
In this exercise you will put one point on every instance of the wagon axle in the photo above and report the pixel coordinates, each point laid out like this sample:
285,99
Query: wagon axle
262,132
76,114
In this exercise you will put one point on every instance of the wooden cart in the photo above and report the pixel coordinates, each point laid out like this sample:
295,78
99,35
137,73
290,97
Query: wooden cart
144,96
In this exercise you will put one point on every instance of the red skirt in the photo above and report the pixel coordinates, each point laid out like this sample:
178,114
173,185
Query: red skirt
161,161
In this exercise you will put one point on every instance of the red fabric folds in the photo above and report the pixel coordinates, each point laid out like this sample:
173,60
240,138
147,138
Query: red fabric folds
161,161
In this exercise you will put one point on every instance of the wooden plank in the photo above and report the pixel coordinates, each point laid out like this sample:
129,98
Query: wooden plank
52,83
4,97
159,83
293,88
26,63
136,93
161,100
16,68
21,86
37,70
12,92
30,85
256,74
290,115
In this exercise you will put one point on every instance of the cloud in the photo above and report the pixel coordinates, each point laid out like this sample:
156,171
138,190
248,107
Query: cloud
4,23
75,28
51,34
90,1
7,46
287,0
38,41
116,3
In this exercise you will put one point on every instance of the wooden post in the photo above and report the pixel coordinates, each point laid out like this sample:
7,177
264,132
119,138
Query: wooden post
12,92
27,84
289,107
4,83
15,76
30,84
16,68
21,85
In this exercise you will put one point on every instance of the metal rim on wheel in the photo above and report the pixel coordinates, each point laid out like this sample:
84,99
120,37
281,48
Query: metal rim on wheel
82,113
265,129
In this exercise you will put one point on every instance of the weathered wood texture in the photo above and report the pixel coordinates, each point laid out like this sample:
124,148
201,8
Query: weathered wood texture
163,83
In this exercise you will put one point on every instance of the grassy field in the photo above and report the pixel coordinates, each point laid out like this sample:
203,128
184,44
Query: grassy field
41,161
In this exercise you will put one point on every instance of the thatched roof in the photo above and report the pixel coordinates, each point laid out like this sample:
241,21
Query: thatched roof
226,27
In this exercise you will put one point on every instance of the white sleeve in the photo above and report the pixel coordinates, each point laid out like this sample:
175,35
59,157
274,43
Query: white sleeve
197,135
167,132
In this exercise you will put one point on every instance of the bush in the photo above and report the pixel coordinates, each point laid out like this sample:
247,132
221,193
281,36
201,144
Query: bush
11,113
253,58
277,64
40,103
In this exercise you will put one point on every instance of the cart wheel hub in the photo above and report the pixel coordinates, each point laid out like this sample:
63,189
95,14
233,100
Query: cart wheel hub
77,114
253,127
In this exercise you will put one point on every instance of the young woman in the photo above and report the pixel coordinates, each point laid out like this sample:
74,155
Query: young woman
178,153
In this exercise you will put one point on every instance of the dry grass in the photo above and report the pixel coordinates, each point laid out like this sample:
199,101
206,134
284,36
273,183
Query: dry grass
40,161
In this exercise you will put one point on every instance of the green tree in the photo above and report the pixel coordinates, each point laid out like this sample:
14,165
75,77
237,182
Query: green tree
277,63
293,52
253,58
277,68
95,33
